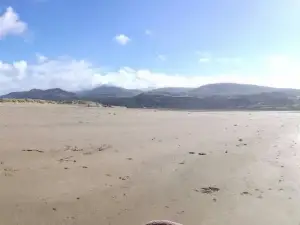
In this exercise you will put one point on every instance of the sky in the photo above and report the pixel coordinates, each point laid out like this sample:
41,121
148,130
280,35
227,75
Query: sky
76,44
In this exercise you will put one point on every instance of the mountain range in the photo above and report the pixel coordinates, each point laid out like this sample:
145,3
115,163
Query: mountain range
212,96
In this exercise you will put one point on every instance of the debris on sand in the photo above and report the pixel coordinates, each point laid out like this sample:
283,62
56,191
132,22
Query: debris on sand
73,148
182,163
32,150
84,167
129,159
201,153
209,190
66,159
246,193
8,172
191,153
98,149
104,147
124,178
162,222
240,139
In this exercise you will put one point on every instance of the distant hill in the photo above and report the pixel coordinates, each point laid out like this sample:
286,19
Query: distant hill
105,91
231,89
55,94
170,91
211,97
220,89
262,101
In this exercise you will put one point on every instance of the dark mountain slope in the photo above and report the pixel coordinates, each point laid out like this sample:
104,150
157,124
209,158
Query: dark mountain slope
105,91
55,94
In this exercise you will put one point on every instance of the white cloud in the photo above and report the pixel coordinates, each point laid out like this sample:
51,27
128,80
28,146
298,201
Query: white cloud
162,57
71,74
10,24
122,39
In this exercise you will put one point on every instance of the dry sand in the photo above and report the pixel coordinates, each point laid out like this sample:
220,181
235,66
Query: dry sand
78,165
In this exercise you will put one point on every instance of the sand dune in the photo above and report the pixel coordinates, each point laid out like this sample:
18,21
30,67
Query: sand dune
79,165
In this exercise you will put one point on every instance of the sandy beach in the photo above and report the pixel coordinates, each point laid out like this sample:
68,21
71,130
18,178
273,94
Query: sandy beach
76,165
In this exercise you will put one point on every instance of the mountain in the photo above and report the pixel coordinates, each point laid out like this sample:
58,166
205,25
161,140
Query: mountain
170,91
220,89
230,89
214,97
262,101
105,91
55,94
222,96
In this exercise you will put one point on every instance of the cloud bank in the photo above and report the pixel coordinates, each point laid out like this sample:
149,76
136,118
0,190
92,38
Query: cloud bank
72,74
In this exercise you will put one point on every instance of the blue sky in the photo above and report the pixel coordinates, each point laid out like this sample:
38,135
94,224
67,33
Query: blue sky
77,44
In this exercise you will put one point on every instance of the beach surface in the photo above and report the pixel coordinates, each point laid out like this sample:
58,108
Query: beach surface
76,165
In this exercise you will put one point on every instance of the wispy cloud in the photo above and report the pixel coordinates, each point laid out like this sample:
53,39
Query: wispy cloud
122,39
10,24
148,32
204,60
204,57
41,58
